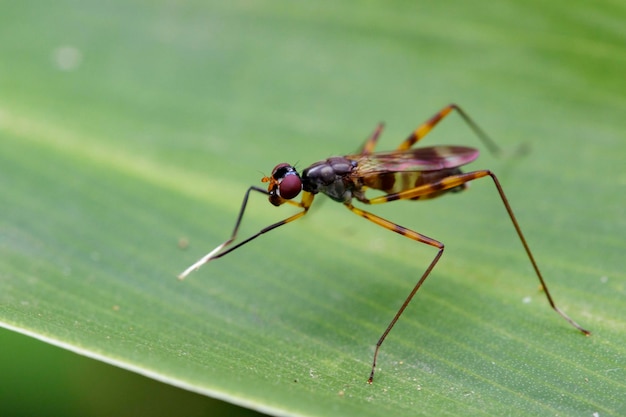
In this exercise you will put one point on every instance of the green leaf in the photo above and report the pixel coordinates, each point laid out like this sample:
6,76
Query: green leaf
129,133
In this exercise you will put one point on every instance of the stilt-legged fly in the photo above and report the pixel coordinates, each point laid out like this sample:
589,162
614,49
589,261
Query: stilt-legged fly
402,174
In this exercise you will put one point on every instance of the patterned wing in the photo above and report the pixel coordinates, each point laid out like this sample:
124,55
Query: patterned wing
431,158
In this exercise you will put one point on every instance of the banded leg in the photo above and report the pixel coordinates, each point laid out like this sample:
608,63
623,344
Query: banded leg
460,179
411,234
427,126
370,143
304,204
438,186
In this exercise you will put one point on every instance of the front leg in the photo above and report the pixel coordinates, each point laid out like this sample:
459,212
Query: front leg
218,252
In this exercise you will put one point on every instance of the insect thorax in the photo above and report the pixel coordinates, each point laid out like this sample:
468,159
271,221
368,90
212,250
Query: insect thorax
331,177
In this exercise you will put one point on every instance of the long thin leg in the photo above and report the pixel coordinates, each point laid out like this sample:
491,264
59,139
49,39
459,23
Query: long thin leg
370,143
460,179
441,185
426,127
411,234
305,203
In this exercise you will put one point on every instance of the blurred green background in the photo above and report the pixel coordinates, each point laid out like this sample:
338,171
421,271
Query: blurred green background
128,126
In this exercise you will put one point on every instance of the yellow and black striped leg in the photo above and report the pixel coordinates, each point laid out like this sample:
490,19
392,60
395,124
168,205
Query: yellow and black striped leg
448,183
304,204
454,181
411,234
370,143
426,127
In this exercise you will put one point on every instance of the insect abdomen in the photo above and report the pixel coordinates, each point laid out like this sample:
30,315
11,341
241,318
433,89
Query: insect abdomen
395,182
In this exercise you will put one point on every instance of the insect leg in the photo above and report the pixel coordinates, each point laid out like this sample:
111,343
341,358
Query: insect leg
370,143
460,179
427,126
411,235
305,203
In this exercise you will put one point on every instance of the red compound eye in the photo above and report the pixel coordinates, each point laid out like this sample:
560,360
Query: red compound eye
290,186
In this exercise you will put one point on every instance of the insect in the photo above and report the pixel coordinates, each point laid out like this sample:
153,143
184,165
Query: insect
403,174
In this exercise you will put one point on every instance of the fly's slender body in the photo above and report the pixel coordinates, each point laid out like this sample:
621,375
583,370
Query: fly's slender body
403,174
344,178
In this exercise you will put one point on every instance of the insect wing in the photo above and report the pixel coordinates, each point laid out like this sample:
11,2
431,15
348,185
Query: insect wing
431,158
